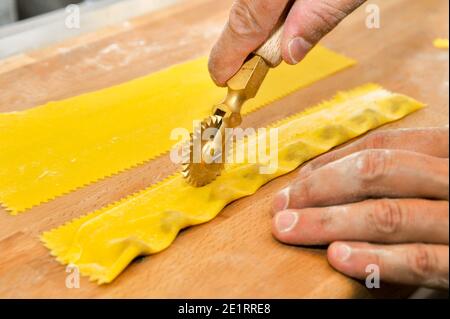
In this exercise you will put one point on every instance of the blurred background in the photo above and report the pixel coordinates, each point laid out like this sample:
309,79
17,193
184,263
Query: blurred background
13,10
31,24
8,11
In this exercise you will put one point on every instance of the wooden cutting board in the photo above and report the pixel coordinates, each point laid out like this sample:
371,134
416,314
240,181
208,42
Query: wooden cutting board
234,255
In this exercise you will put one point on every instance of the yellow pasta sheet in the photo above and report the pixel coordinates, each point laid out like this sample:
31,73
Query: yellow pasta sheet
441,43
55,148
103,243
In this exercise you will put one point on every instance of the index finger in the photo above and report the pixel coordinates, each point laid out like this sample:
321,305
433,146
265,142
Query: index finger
432,141
250,24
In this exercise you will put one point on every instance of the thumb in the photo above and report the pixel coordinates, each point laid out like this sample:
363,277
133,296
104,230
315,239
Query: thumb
309,21
249,25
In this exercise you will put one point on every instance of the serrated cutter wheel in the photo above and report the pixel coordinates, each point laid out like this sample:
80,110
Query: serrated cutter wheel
203,160
241,87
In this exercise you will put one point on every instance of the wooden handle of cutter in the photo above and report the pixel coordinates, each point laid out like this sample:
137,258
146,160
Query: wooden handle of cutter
270,51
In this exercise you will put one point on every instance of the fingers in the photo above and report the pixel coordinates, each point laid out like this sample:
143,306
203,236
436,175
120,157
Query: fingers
252,21
430,141
386,220
413,264
309,21
368,174
249,25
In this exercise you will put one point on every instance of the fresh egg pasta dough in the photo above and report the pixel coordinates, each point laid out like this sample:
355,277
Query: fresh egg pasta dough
56,148
103,243
441,43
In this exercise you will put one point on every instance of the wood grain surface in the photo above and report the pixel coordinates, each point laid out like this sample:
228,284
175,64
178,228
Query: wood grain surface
234,255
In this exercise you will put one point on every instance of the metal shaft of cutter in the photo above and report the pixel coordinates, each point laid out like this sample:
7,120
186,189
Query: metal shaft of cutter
244,85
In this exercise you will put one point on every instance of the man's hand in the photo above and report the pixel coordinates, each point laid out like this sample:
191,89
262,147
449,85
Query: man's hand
382,200
252,21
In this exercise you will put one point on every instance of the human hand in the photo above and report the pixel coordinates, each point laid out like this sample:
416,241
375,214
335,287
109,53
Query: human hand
252,21
382,200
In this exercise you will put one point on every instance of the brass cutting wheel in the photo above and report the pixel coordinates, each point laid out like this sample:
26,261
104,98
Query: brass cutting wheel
202,168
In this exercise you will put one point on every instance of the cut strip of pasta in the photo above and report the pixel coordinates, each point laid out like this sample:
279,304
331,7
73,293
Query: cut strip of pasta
56,148
103,243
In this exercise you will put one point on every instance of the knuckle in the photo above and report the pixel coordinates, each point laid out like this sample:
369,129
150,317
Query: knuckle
328,15
301,194
375,140
336,8
422,261
305,171
244,21
328,158
387,217
326,219
372,165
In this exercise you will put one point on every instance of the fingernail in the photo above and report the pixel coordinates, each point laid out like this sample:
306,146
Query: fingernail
286,221
281,200
343,252
298,48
